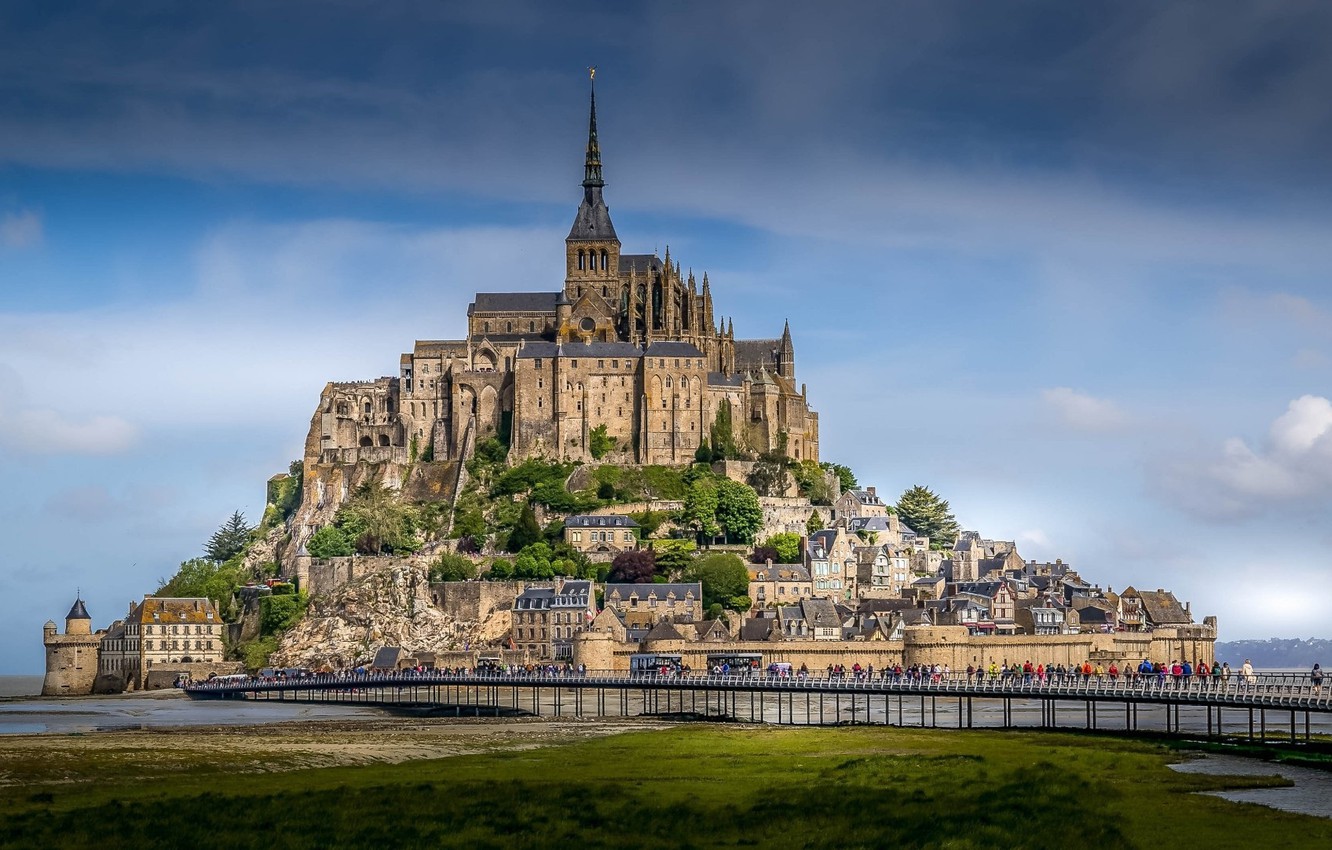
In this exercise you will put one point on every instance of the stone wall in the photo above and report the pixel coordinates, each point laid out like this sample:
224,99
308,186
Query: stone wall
475,600
71,664
787,515
321,577
165,676
950,645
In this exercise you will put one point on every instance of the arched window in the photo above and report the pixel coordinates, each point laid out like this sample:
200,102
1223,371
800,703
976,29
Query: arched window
383,439
531,327
509,328
603,259
581,259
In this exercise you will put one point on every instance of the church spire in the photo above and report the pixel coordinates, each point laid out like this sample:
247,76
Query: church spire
592,166
592,222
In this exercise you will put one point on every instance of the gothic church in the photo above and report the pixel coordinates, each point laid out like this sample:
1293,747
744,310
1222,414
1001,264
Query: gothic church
629,343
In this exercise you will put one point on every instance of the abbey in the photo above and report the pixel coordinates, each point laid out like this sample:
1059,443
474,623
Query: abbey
629,349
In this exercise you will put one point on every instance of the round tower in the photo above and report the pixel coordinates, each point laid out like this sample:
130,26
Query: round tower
71,658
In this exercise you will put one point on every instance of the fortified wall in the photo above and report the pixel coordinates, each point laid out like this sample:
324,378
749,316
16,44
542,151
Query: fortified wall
942,645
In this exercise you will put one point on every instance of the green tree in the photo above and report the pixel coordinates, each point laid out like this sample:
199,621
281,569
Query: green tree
328,542
815,523
722,434
599,443
203,578
812,481
673,556
277,613
787,545
724,577
229,540
738,511
450,566
500,570
649,521
376,522
699,512
925,513
526,532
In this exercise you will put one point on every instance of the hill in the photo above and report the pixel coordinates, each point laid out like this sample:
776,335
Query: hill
1276,653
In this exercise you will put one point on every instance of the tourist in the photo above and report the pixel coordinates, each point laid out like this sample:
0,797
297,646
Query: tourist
1246,671
1316,678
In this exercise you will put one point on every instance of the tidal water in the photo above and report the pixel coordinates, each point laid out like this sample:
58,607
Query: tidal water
1310,795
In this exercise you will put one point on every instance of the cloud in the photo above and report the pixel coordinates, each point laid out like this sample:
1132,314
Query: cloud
40,430
20,229
1083,412
1292,466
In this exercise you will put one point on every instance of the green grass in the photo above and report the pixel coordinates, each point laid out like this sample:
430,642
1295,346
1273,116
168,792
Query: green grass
691,786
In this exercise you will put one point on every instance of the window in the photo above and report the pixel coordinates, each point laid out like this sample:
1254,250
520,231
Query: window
538,362
573,364
531,327
601,364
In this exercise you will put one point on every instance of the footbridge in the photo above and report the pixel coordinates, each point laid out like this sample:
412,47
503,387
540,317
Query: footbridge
1260,707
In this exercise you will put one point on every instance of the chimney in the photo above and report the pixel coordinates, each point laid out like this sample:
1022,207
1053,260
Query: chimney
871,491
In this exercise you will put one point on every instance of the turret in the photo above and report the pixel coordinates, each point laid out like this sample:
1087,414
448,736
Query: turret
786,355
77,621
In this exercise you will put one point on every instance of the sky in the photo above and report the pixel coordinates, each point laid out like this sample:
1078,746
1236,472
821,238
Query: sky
1065,264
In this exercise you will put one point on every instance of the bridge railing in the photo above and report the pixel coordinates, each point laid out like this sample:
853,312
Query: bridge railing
1270,689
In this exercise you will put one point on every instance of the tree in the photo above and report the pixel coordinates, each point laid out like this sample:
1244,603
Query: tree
812,481
649,521
376,522
599,443
787,545
722,435
451,567
724,577
229,539
700,508
738,511
769,478
815,523
673,556
279,612
202,577
925,513
500,570
328,542
526,532
764,553
633,566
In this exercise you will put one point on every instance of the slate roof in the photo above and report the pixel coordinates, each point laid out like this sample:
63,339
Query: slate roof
673,349
867,524
533,350
663,631
759,628
778,572
756,353
513,302
387,657
717,379
639,262
865,497
606,521
1162,608
661,591
821,613
77,611
592,221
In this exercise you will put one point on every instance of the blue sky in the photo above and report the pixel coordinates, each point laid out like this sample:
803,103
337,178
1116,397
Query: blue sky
1067,264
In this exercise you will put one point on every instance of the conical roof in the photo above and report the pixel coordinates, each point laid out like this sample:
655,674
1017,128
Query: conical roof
78,612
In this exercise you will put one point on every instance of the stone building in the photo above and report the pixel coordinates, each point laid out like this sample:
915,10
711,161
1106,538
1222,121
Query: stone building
178,634
679,602
71,658
628,355
601,534
545,619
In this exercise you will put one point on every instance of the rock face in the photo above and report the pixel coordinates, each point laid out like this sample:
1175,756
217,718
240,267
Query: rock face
389,607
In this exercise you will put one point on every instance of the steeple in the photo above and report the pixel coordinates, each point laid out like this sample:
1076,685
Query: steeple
786,354
592,167
593,220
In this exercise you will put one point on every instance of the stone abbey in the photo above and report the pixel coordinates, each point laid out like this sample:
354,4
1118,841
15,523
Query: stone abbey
629,349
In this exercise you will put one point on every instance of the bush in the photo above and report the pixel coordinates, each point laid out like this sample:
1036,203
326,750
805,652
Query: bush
598,443
328,542
724,577
673,556
279,613
491,450
526,532
451,567
500,570
763,554
200,577
787,546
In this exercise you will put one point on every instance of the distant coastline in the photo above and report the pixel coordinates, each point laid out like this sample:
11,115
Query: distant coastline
20,686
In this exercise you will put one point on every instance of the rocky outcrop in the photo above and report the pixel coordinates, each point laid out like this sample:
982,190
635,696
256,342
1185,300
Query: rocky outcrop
389,607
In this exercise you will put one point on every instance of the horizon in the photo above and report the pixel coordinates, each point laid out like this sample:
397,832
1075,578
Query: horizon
1064,266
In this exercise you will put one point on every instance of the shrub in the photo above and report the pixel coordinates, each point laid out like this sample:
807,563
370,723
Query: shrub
451,567
328,542
787,546
279,613
724,577
635,566
599,443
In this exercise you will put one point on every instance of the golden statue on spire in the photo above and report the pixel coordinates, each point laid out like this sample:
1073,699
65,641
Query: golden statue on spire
592,72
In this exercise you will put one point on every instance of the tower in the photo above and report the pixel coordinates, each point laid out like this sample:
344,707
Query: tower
71,658
786,355
592,250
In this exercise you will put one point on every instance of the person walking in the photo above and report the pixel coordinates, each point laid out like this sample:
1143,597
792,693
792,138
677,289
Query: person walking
1316,678
1246,672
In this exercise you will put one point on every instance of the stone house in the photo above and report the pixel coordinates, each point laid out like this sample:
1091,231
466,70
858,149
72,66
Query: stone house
601,534
860,503
545,619
678,602
162,632
830,559
1158,608
779,584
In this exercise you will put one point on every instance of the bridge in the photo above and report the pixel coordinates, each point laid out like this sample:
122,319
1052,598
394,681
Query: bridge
1288,704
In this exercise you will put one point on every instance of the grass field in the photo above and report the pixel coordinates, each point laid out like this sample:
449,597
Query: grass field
689,786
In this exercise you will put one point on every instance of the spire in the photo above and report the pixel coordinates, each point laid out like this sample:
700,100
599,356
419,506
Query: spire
592,167
786,334
593,221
